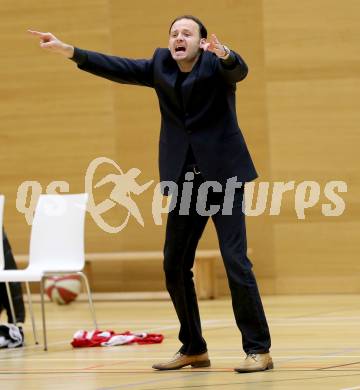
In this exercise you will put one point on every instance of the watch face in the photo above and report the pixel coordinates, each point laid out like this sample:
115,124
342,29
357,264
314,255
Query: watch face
227,51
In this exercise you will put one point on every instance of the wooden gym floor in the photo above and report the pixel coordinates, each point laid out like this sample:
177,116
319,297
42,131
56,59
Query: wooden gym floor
316,345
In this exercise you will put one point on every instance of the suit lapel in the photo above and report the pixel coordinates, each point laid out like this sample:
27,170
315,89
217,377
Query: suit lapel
171,71
170,74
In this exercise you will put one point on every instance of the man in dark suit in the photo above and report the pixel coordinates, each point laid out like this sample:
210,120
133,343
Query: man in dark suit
202,150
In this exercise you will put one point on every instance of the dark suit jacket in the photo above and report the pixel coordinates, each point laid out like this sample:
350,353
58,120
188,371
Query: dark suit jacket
206,120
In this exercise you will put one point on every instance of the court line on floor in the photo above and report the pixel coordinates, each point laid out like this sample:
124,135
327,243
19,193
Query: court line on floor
129,385
54,324
134,358
261,381
338,366
149,371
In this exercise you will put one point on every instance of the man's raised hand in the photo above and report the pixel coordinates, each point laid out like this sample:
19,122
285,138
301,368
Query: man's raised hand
50,43
214,46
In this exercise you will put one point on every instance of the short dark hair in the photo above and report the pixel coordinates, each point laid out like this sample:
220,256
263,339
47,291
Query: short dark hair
202,28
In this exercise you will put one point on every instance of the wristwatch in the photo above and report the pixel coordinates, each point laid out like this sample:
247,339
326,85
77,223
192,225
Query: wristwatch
227,52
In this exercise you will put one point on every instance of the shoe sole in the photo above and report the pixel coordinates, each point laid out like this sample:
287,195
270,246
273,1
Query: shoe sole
201,364
270,366
204,363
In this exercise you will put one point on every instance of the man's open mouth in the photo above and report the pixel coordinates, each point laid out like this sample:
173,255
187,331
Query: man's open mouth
180,49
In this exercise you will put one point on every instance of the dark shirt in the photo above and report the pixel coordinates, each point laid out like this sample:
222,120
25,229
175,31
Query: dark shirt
190,158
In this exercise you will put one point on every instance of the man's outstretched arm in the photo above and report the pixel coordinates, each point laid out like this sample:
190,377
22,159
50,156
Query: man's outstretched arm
118,69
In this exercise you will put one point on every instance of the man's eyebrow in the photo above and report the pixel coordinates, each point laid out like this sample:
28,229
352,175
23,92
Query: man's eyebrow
185,30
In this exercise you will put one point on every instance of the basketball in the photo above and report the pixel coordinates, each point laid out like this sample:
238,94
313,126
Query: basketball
63,289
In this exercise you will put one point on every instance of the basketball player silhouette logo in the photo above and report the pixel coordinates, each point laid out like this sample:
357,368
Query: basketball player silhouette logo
125,184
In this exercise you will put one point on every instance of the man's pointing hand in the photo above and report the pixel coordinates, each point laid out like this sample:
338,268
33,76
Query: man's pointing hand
50,43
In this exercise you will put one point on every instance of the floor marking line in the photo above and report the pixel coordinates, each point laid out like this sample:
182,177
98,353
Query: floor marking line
337,366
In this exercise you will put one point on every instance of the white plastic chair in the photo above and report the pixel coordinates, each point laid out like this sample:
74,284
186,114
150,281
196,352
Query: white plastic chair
56,245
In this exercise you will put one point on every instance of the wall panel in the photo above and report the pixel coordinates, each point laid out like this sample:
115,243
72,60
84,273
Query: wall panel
297,109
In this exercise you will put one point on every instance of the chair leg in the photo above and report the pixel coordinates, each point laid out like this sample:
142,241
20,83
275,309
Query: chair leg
43,312
31,312
92,310
11,303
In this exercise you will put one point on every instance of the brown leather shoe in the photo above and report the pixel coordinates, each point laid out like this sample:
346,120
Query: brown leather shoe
256,362
180,360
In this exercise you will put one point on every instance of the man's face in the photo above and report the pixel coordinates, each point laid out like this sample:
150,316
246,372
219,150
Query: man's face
184,40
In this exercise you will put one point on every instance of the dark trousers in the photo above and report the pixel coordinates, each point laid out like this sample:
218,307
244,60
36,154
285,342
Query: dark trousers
15,288
183,233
